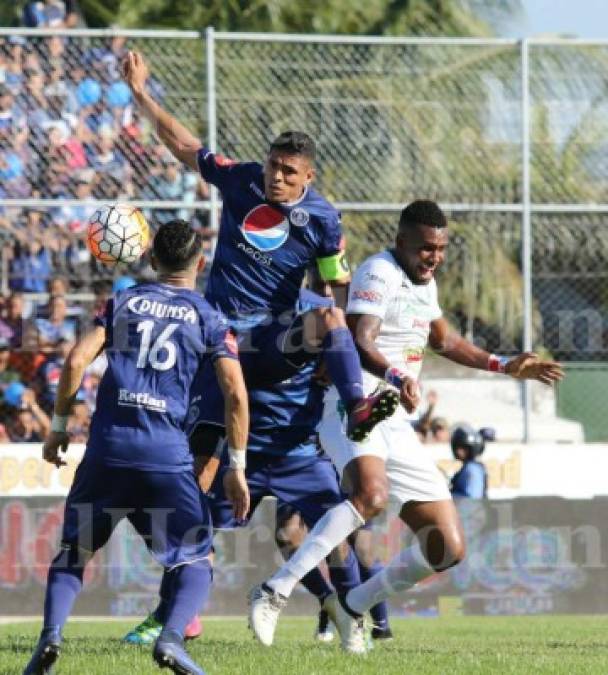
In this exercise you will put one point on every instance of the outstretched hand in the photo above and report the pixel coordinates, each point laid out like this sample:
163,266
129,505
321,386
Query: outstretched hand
55,441
135,72
528,366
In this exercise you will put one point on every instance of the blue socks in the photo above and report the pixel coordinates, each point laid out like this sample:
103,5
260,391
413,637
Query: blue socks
166,583
343,365
379,612
345,576
190,586
63,586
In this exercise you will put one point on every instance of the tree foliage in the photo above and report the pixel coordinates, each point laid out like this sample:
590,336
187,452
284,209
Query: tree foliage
372,17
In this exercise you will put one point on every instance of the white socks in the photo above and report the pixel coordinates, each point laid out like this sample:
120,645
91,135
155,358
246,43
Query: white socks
330,531
405,570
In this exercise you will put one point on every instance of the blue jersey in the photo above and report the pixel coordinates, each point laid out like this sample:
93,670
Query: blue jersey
264,249
471,481
157,337
284,417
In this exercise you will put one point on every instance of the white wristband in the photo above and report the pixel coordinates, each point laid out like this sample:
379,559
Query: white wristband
238,459
59,423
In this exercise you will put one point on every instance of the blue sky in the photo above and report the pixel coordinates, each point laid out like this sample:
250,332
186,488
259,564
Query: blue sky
582,18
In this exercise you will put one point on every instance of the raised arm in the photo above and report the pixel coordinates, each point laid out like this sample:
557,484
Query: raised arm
181,143
82,355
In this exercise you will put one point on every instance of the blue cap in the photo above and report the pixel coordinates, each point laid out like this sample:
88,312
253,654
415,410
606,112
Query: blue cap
13,394
118,95
88,92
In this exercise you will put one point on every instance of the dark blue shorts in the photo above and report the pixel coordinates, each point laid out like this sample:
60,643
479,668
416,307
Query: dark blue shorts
167,509
271,352
307,485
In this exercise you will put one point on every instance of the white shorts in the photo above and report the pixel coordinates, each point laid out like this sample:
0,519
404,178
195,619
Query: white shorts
411,471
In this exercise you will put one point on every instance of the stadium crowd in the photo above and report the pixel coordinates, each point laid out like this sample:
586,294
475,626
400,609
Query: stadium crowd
34,342
68,130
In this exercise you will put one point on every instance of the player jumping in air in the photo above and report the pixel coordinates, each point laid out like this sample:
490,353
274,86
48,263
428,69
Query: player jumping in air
137,461
274,226
393,313
283,461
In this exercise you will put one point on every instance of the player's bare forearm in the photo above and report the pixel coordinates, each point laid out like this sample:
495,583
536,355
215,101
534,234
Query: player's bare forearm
174,135
365,329
80,357
448,343
236,404
525,366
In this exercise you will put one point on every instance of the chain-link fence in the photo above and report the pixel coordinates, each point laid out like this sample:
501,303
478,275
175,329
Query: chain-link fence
503,134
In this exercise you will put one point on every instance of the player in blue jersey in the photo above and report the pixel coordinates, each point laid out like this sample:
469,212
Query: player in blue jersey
274,227
283,461
137,462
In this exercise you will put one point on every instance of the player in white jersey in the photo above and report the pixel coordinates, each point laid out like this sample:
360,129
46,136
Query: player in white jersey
393,313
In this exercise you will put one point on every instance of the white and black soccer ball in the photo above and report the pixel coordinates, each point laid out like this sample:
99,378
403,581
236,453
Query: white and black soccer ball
118,234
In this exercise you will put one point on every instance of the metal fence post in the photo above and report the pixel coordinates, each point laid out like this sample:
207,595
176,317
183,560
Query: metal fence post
211,120
526,234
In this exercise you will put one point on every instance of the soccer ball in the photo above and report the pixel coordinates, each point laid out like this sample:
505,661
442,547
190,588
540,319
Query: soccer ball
118,234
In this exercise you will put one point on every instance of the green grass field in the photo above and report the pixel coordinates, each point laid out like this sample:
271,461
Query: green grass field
435,646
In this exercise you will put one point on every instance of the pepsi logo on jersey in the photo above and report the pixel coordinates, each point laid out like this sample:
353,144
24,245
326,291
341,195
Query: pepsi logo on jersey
265,228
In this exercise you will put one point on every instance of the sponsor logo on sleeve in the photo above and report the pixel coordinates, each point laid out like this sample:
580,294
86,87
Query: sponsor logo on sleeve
367,295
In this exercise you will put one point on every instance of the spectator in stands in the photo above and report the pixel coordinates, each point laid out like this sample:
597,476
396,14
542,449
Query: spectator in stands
50,14
14,72
172,184
440,430
47,377
30,424
75,218
11,321
7,374
422,426
30,267
4,437
57,327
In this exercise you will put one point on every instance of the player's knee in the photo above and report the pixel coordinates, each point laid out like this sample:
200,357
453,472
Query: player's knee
447,550
371,498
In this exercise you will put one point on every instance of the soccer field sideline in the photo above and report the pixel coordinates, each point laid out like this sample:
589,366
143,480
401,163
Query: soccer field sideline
555,645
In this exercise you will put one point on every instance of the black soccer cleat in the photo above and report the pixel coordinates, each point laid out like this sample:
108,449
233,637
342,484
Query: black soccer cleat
46,652
382,633
169,652
369,412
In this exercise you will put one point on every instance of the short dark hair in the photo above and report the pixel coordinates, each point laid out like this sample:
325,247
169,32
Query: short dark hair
422,212
295,143
176,244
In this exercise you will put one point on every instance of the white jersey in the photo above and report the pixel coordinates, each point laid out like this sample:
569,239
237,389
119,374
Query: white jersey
381,288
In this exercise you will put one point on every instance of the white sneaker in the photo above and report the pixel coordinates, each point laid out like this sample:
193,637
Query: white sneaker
352,632
265,605
324,631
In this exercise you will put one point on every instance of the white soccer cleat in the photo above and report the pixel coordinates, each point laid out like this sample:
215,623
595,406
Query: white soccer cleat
324,631
265,605
352,631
